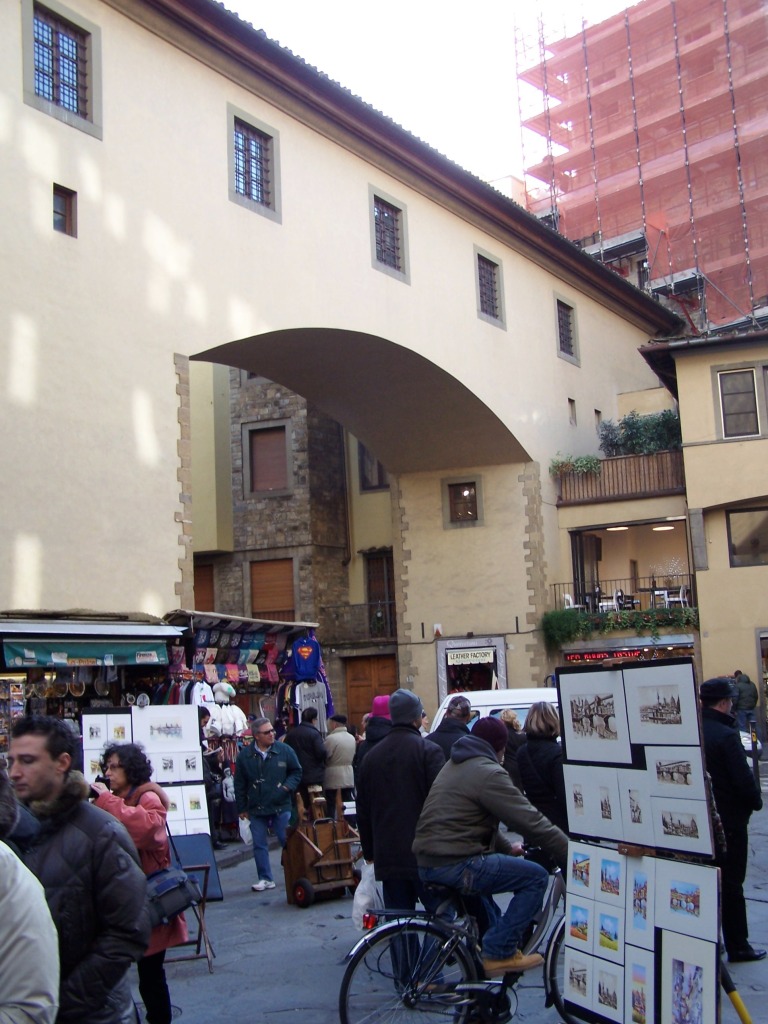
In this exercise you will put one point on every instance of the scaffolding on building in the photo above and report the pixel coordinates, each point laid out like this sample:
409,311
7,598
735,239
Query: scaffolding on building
645,141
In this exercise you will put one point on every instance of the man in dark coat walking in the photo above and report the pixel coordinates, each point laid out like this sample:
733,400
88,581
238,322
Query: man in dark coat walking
454,725
307,744
393,784
737,795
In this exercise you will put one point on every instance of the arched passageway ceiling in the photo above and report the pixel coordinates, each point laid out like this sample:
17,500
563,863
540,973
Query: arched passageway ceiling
412,414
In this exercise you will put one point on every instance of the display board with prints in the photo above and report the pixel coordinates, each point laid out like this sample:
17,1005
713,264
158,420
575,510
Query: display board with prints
169,735
643,896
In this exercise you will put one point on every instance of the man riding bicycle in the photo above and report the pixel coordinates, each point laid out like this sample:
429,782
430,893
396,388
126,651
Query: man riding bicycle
458,843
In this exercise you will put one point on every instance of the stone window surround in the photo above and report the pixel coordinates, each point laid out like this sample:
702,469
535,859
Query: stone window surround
272,210
760,370
246,430
500,319
403,273
445,483
575,357
93,124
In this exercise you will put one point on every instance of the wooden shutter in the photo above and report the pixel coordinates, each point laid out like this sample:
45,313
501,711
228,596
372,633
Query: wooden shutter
272,590
269,463
203,583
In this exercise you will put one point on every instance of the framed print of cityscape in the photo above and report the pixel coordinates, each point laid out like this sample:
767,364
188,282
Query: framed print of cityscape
661,704
635,803
592,799
682,825
640,916
594,717
676,771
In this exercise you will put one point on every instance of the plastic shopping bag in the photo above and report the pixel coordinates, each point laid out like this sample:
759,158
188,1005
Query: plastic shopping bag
245,831
367,895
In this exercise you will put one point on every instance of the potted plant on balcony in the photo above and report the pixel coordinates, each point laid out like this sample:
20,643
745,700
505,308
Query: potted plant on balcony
561,464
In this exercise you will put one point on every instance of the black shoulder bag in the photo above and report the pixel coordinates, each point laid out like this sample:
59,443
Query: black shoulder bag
171,891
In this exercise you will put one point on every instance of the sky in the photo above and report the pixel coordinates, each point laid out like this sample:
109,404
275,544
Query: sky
444,72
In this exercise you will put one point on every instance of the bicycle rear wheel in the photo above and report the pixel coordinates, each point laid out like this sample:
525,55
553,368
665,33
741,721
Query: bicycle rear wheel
554,973
407,972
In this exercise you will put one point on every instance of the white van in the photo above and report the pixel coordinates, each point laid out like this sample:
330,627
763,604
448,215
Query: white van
491,702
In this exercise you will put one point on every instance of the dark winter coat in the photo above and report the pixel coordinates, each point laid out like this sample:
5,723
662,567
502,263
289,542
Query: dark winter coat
97,896
515,740
264,785
540,763
393,784
446,734
376,729
469,798
308,745
736,792
747,693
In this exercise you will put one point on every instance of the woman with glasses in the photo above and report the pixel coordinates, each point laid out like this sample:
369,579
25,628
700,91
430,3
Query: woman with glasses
267,775
142,806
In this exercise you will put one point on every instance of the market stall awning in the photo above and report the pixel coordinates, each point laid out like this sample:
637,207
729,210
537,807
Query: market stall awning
58,642
66,651
233,623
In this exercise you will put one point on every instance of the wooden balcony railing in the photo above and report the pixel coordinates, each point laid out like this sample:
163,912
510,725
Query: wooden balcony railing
625,476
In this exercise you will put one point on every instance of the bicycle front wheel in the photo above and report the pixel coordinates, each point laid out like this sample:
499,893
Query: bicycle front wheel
554,973
407,971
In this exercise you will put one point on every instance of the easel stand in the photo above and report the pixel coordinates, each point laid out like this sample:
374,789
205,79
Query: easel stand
201,943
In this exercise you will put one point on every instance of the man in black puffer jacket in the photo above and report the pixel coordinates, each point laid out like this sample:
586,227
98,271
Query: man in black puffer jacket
89,868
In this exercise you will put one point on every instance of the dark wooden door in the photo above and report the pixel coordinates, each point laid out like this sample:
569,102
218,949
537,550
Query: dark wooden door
368,678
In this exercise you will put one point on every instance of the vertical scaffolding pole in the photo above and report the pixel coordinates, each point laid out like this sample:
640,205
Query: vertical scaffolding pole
592,147
739,171
635,125
548,123
686,156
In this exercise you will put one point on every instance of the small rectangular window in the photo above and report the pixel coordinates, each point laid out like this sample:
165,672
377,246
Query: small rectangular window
748,537
565,329
598,419
738,400
572,411
61,62
488,286
388,233
268,459
64,210
253,163
462,502
373,476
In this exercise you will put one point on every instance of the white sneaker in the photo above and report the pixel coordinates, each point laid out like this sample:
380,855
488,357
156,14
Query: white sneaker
262,885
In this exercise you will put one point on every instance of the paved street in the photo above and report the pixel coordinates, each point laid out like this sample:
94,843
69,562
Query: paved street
279,963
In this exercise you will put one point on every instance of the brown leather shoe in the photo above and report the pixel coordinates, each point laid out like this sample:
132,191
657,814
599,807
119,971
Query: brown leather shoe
512,965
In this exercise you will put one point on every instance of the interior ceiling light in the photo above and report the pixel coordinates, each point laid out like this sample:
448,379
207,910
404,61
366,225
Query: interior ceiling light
615,529
661,529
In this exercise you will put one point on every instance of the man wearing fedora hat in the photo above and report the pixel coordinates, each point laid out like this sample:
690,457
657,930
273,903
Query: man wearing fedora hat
736,796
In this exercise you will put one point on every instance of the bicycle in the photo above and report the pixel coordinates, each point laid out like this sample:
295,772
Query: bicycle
430,964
